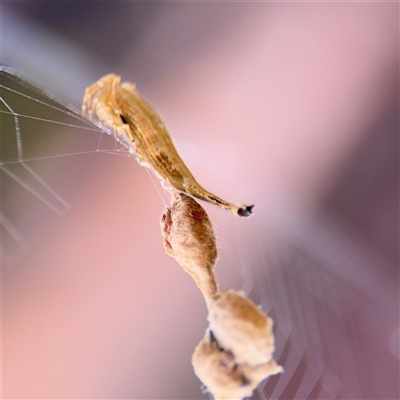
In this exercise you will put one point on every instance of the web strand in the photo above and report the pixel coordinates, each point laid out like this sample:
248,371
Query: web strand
23,159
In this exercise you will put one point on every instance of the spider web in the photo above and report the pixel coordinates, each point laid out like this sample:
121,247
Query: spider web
334,302
328,299
329,303
45,145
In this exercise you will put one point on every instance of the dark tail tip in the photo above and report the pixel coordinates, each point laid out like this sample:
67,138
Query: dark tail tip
245,211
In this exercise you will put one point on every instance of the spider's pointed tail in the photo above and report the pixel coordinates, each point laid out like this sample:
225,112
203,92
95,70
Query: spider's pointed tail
245,211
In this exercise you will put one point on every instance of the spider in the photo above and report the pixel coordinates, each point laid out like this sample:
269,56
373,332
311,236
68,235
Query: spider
118,107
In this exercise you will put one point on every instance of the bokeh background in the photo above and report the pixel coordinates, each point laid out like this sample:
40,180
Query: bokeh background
291,106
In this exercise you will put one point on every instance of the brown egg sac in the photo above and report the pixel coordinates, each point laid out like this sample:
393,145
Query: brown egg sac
189,237
223,376
241,327
236,353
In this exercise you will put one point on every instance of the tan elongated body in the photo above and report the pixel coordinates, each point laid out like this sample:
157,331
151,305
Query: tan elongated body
136,124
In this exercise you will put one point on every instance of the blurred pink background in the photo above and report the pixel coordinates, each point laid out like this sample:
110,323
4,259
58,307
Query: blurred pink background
290,106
